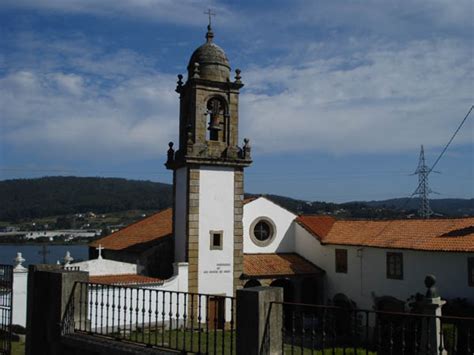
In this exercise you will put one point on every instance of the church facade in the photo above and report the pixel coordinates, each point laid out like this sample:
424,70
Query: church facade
222,242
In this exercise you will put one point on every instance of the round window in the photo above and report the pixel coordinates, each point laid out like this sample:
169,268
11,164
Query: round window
262,231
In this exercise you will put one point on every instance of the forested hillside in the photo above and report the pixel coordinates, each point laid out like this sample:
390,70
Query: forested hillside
33,198
24,199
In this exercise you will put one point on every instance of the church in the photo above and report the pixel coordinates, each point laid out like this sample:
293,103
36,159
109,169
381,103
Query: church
213,241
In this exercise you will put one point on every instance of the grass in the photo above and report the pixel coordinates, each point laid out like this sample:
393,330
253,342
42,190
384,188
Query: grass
213,341
336,351
18,348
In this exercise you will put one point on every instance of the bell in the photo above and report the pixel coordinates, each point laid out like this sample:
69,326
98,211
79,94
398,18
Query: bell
214,124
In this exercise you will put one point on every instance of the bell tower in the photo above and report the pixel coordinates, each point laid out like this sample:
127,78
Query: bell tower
208,175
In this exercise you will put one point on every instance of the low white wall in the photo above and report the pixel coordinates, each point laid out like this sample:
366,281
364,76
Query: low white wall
154,302
283,220
366,275
101,267
20,284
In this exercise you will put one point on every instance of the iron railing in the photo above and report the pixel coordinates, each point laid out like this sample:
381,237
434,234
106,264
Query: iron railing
6,303
313,329
191,322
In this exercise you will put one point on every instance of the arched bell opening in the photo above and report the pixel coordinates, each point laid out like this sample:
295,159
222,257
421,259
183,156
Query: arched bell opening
216,119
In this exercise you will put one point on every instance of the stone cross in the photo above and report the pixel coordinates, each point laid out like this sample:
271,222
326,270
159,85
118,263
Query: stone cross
99,249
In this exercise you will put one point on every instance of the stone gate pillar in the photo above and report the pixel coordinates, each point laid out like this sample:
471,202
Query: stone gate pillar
431,333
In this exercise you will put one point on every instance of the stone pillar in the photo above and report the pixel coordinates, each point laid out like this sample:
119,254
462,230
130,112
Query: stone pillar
431,334
259,323
20,278
49,290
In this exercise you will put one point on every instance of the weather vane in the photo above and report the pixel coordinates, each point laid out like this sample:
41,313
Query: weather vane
209,13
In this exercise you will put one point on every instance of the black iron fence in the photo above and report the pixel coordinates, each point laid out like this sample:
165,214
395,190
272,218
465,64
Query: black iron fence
6,302
189,322
311,329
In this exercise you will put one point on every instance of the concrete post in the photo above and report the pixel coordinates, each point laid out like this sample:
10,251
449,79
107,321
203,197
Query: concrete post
259,324
431,335
20,278
49,289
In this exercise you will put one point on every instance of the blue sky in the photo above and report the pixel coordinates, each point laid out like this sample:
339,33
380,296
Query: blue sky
338,96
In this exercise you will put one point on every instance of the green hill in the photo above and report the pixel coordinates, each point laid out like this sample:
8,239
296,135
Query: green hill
34,198
23,199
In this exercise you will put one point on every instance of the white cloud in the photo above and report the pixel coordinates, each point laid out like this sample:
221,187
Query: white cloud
395,99
168,11
110,105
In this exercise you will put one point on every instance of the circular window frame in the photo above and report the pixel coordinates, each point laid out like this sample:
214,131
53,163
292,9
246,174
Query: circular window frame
273,231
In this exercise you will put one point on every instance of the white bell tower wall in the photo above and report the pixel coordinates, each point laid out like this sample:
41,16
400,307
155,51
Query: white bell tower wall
216,216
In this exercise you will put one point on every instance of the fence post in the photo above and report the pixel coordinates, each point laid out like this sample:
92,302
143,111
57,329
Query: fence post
49,289
431,336
259,324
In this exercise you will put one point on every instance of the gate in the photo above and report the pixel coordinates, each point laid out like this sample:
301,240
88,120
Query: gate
6,300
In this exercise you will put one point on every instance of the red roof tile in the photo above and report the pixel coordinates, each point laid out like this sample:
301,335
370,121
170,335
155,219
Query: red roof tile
151,228
420,234
128,279
277,265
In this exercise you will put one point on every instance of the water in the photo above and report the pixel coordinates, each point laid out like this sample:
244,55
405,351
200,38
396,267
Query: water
32,253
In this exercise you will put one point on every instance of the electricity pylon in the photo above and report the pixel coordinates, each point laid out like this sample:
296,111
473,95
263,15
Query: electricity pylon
423,190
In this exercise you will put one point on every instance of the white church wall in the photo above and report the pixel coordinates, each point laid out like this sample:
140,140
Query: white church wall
366,274
20,283
216,213
180,214
283,242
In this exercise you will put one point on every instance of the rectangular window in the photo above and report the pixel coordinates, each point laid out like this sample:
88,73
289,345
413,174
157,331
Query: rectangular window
470,271
341,260
395,266
216,240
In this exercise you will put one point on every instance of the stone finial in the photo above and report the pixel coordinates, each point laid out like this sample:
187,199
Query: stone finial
246,149
19,260
196,71
170,153
68,258
179,83
237,76
430,281
209,34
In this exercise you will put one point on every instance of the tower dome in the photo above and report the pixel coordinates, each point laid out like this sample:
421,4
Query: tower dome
211,59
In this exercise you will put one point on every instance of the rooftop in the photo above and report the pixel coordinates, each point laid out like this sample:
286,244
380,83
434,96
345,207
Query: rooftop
128,279
452,234
149,229
277,265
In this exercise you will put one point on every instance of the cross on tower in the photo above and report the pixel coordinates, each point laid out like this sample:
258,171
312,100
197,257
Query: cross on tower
44,252
99,249
209,13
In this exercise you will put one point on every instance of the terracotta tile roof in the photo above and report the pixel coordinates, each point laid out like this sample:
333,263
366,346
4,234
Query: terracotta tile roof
277,265
420,234
317,225
127,279
146,230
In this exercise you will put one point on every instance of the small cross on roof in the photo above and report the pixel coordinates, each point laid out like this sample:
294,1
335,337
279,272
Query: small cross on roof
99,249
